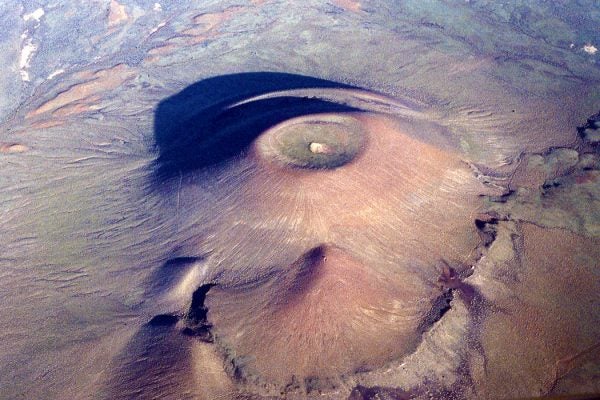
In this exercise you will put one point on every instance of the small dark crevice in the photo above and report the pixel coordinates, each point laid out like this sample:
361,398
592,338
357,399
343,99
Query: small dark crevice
202,333
237,367
503,198
487,229
379,393
451,280
591,123
292,387
196,318
314,385
441,305
179,261
587,168
198,310
163,320
431,24
551,184
238,372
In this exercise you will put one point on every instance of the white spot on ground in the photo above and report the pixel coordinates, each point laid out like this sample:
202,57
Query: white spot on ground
157,7
319,148
24,61
28,48
590,49
36,15
157,27
55,73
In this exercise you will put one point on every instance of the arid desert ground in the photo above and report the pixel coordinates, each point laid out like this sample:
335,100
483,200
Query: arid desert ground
264,199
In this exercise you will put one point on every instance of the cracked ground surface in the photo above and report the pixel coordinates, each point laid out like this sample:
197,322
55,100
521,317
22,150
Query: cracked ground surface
174,226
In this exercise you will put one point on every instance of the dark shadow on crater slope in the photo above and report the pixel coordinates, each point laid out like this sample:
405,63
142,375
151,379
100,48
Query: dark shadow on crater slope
202,126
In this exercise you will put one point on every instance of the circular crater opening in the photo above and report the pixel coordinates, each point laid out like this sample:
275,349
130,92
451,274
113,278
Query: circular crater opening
315,142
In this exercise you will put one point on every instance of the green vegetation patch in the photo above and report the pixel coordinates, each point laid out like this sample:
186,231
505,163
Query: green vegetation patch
318,144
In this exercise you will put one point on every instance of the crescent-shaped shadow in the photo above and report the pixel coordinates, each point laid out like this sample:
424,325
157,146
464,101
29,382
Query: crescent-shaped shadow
203,125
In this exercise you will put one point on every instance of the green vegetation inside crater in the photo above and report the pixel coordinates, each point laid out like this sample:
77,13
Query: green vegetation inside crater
318,145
